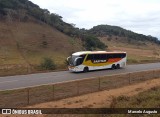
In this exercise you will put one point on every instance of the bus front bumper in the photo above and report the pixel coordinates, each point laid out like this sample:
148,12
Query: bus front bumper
73,69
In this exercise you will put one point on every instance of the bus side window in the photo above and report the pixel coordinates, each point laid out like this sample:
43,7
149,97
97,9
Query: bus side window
118,55
123,55
115,56
96,56
109,56
103,57
89,57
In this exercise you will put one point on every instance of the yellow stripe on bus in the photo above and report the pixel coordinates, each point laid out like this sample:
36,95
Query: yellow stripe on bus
109,62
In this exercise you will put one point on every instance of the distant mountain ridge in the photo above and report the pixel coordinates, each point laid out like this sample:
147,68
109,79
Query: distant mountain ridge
107,30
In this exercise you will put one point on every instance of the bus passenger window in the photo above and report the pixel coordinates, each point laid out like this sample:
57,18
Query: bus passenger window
89,57
103,56
123,55
96,56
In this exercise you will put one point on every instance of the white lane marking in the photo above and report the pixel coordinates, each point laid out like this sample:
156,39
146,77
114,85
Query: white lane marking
8,81
23,79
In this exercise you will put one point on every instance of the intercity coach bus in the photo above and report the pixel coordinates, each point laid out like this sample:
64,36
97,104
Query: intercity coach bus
94,60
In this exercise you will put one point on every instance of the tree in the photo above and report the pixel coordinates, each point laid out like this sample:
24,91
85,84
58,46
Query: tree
92,43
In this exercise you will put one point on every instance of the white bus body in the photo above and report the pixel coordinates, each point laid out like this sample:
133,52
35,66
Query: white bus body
95,60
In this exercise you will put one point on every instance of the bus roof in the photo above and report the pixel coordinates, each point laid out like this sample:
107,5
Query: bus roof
95,52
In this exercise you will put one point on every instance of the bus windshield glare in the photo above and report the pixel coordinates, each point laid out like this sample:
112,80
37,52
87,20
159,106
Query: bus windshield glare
76,60
72,59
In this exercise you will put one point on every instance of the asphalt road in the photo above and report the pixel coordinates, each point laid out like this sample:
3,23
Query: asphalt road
21,81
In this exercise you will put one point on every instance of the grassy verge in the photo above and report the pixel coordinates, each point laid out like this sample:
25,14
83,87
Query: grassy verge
133,59
147,99
143,61
28,70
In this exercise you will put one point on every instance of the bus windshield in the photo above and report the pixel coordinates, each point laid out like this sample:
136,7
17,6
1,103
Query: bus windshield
72,61
75,60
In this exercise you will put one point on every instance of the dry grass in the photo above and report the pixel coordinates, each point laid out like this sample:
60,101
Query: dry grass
147,99
30,36
22,43
136,52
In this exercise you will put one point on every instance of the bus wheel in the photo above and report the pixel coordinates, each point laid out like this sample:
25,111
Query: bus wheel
85,69
113,66
118,66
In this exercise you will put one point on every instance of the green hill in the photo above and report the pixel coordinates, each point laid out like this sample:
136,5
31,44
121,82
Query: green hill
107,30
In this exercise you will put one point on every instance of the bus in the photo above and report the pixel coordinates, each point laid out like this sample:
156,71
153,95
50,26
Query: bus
85,61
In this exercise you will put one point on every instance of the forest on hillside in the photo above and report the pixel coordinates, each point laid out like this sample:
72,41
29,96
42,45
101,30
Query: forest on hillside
23,10
103,30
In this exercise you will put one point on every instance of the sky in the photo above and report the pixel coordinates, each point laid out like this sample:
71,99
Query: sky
141,16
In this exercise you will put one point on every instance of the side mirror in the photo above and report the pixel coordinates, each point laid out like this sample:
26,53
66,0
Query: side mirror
68,58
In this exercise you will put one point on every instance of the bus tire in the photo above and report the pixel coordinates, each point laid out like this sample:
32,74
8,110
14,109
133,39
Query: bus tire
113,66
118,66
85,69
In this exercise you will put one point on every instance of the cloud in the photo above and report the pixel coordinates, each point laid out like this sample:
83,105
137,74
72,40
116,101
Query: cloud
140,16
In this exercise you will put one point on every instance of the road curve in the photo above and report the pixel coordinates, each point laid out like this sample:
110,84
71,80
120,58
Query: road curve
21,81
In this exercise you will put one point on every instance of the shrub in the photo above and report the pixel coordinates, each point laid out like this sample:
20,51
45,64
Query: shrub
48,64
66,63
44,44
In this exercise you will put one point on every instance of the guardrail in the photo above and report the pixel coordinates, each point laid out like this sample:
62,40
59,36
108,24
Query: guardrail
39,94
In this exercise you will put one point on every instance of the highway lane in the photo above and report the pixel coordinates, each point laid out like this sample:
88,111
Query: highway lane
21,81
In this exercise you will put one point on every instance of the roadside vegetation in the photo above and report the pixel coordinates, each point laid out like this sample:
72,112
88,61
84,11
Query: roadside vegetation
47,64
147,99
91,43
